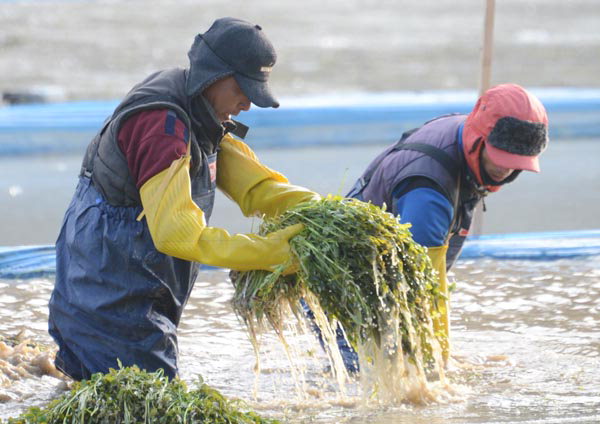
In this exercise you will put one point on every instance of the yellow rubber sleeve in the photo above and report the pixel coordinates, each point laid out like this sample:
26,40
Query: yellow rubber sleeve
178,227
256,188
441,321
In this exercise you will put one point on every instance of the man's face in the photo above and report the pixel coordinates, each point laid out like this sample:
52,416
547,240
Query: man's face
496,172
226,98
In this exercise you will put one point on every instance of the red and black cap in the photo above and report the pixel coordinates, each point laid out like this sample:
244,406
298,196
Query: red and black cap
512,124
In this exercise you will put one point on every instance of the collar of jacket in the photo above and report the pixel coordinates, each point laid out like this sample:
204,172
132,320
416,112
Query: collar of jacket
209,131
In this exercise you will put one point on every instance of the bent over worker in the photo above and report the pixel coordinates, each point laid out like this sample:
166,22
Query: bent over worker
436,174
137,227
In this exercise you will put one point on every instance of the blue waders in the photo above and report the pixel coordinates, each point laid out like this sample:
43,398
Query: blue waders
116,296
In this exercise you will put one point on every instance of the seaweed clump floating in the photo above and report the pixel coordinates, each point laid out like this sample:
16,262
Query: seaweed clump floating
359,269
131,396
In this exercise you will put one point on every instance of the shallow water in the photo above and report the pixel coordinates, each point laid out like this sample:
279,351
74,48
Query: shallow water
527,334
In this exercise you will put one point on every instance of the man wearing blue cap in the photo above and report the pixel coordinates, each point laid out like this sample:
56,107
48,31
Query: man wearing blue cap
137,226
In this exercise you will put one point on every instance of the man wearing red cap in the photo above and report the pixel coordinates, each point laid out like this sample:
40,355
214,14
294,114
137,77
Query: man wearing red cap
436,174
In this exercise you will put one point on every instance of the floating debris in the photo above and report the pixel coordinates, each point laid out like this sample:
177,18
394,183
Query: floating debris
21,359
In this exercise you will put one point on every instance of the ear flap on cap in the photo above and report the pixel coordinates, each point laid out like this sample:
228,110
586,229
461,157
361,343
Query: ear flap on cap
519,137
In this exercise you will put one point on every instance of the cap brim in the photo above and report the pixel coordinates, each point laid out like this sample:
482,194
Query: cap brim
258,92
512,161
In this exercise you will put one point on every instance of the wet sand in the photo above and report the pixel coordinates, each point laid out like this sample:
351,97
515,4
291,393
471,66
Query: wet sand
99,49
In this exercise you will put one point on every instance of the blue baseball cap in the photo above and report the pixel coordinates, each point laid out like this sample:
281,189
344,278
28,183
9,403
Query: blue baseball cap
233,47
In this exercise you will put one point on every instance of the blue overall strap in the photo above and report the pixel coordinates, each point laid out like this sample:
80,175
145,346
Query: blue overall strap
363,181
436,153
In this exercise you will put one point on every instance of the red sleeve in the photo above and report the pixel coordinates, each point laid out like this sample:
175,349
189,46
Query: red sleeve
150,141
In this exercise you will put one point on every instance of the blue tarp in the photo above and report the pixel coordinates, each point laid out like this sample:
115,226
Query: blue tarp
345,119
23,262
27,261
544,246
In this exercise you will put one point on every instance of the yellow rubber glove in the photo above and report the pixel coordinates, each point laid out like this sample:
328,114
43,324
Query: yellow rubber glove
441,323
256,188
178,227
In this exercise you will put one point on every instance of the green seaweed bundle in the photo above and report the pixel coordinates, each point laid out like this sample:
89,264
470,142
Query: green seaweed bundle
129,395
359,263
